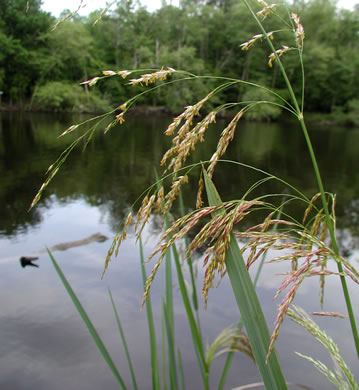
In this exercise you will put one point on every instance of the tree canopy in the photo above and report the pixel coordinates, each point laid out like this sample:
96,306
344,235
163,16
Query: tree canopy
203,37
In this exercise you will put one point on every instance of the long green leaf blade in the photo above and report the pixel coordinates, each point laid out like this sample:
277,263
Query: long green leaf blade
151,328
171,349
124,342
195,332
101,347
249,307
189,261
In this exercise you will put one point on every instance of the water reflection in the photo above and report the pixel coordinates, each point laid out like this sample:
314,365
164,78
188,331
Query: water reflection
45,343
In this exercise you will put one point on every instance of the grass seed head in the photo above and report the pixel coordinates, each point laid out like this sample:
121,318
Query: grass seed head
150,78
267,9
108,72
299,31
246,45
226,137
124,73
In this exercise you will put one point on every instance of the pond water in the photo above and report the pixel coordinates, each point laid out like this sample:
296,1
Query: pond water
45,345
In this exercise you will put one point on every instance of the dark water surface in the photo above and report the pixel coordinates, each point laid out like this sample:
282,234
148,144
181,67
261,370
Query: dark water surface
45,345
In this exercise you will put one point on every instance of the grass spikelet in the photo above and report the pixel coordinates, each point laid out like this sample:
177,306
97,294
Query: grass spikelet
52,171
150,78
108,73
267,9
246,45
310,207
173,194
139,215
124,73
91,82
115,246
146,211
120,118
69,130
199,201
187,136
226,137
299,31
278,53
160,199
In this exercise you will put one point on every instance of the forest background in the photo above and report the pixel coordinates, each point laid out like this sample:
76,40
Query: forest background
41,67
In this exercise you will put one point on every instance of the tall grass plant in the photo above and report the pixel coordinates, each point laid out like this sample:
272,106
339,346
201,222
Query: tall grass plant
307,244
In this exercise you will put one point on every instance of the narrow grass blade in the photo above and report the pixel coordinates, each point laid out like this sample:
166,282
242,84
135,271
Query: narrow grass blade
249,306
124,342
229,358
101,347
171,349
151,328
180,367
189,260
225,370
169,284
163,331
196,336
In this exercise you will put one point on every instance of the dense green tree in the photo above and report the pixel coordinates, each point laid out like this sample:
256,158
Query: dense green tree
21,25
201,36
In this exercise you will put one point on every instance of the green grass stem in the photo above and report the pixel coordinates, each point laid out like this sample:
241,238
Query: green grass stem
163,352
299,113
180,367
171,349
151,328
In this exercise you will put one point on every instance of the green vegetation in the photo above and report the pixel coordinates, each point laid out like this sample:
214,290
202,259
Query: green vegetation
307,243
201,36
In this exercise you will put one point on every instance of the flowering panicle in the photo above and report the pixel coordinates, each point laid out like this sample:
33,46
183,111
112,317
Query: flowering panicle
299,31
310,207
199,201
118,119
178,230
312,260
226,137
119,238
251,42
187,137
279,53
267,9
91,82
160,199
144,214
216,232
341,376
229,340
308,248
172,195
150,78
